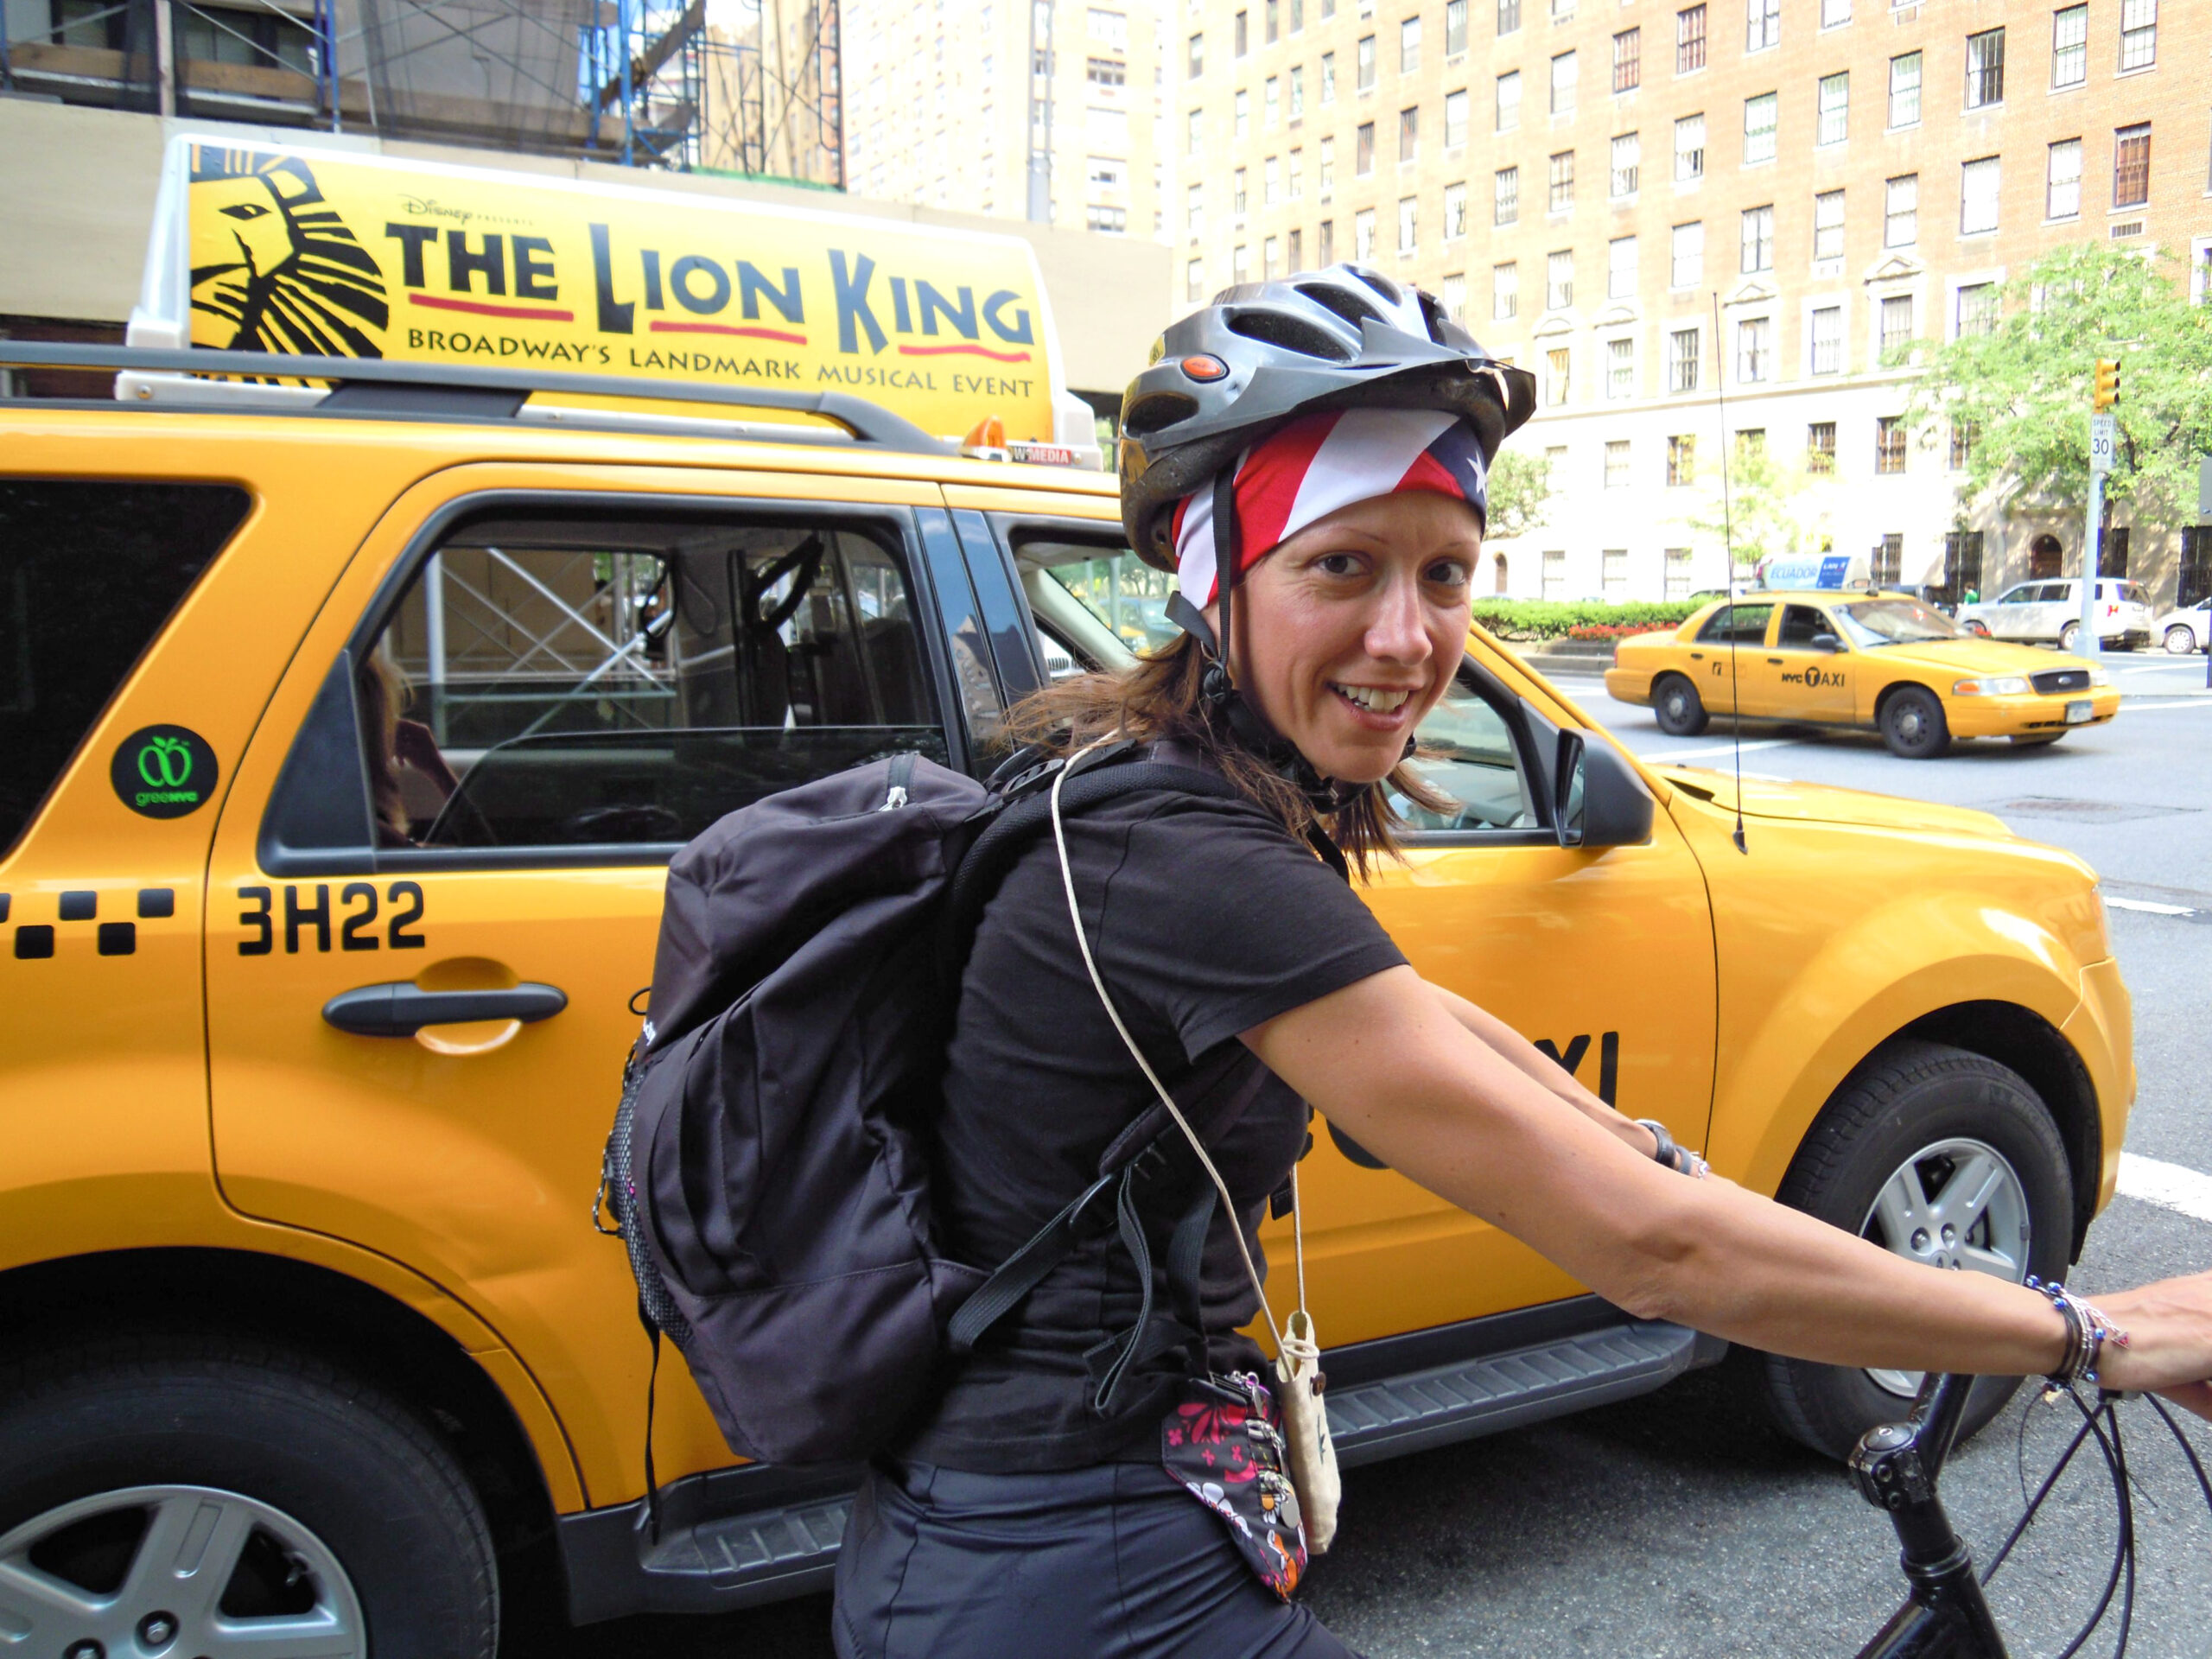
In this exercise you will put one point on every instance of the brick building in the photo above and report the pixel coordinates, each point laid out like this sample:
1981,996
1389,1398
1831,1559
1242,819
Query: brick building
1650,205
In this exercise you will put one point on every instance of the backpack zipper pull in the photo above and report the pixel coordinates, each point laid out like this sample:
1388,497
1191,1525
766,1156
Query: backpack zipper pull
895,797
900,771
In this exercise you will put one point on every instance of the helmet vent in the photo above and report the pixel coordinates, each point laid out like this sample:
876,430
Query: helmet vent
1378,282
1291,334
1345,303
1157,412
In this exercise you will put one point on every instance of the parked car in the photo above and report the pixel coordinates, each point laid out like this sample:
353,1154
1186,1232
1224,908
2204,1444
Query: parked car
2185,629
2050,612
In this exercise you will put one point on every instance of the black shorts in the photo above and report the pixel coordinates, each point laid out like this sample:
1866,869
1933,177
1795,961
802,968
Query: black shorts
1112,1561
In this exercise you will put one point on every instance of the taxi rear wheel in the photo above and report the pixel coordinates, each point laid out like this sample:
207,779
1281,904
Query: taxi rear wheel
203,1496
1680,710
1913,724
1944,1157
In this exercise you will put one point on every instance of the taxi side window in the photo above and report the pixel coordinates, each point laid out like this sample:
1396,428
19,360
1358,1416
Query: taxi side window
89,574
1800,623
1469,758
1742,625
556,683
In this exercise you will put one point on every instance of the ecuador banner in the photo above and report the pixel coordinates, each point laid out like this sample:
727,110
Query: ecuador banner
354,255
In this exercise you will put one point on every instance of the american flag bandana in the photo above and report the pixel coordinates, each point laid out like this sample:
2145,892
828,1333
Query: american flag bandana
1306,470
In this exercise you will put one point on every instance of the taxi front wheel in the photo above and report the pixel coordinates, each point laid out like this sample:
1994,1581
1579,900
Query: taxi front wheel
207,1497
1680,710
1913,724
1945,1158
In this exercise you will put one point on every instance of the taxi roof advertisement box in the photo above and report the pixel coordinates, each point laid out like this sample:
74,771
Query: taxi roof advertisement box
289,248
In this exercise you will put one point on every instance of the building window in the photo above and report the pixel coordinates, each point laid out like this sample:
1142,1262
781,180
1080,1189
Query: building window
1677,579
1105,72
1328,77
1270,182
1620,369
1758,240
1689,148
1274,17
1194,280
2131,166
1455,27
1900,212
1554,573
1506,209
1613,572
1504,292
1362,236
1508,16
1617,464
1195,135
1984,69
1270,258
1297,172
2139,34
1561,196
1271,102
1977,190
1620,268
1628,158
1455,212
1325,176
1297,252
1363,150
1963,563
1243,33
2062,195
1562,11
1754,349
1241,118
1563,81
1905,90
1364,58
1689,40
1557,361
1683,356
1628,59
1889,554
1237,199
1509,101
1194,210
1452,296
1297,92
1685,269
1963,441
1820,448
2070,46
1558,279
1408,218
1325,242
2196,565
1888,444
1897,326
1762,24
2112,557
1240,265
1681,460
1751,444
1828,347
1409,45
1835,14
1455,120
1197,55
1827,225
1409,135
1836,109
1758,129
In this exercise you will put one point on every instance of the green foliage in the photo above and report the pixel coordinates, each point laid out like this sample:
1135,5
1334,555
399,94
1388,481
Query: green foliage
1520,487
2023,388
1549,619
1765,512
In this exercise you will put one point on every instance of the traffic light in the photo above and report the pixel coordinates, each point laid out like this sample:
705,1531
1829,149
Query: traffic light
2106,392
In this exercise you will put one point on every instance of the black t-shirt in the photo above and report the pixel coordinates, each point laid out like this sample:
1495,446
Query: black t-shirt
1206,918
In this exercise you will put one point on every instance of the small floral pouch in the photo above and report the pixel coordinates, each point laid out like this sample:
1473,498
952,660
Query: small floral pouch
1224,1444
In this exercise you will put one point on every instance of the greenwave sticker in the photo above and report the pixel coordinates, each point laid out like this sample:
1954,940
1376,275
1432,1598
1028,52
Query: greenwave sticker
163,771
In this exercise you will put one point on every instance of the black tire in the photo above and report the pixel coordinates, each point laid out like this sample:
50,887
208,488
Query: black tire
103,1439
1680,709
2068,635
1906,1098
1913,724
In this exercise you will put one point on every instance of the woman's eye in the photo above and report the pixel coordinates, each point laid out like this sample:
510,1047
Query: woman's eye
1448,574
1337,565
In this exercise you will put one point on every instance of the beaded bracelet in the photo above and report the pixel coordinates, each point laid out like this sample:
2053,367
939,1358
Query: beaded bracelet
1679,1158
2087,1331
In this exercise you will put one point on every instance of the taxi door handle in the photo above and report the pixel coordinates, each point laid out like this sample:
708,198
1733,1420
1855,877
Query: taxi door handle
1774,659
399,1010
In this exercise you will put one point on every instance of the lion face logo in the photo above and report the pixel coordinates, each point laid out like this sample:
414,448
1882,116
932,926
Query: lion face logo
273,267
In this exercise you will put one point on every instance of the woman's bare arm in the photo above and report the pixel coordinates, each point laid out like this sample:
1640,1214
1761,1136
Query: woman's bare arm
1389,1061
1519,1053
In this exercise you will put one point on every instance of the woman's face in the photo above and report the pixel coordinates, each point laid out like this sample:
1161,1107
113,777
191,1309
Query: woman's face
1350,630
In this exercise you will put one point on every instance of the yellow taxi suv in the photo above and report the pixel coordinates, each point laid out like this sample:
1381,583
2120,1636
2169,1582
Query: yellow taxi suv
1871,661
349,733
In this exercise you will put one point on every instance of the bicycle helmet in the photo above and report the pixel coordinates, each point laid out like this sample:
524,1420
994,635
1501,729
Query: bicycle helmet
1262,354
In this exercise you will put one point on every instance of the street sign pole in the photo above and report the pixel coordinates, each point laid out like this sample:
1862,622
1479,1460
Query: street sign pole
2204,513
2104,439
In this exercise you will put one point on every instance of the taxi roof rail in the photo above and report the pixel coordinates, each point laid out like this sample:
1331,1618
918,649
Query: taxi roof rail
372,385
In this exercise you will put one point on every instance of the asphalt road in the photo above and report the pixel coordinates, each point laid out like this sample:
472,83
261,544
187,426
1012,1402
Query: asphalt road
1674,1524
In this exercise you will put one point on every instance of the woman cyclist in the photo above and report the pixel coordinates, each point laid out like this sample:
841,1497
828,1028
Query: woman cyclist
1309,459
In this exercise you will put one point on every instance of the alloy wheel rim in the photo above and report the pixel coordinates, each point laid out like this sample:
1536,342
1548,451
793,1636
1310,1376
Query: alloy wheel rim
191,1572
1957,1204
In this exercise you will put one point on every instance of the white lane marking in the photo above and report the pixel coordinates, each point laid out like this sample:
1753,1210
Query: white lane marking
1682,756
2170,1187
2147,907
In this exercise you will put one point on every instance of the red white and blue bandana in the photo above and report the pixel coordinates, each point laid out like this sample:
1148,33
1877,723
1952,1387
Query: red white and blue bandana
1306,470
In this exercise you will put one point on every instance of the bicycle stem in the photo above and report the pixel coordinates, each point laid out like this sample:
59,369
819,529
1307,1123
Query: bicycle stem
1896,1465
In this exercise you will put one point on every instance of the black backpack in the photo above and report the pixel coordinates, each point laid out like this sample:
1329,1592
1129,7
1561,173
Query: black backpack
768,1165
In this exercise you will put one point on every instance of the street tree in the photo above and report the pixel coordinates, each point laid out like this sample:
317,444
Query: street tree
1766,509
1520,491
2019,382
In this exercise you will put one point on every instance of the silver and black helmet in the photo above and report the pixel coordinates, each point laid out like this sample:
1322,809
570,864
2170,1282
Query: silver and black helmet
1262,354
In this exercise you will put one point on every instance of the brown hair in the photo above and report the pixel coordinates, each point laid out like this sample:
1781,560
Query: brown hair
1160,698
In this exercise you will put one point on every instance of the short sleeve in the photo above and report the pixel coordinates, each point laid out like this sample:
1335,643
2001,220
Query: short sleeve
1215,919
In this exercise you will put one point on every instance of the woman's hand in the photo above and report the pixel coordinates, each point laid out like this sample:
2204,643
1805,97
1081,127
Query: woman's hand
2169,1350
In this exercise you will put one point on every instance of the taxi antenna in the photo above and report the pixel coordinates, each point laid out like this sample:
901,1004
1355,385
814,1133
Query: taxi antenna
1728,542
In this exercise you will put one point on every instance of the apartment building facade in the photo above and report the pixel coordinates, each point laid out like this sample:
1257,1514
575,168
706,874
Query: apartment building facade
1709,226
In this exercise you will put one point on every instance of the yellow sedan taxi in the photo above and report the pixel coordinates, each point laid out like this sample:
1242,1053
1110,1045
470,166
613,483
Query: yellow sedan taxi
1868,660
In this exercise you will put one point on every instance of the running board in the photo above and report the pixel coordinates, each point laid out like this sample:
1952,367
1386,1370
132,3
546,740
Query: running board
1392,1417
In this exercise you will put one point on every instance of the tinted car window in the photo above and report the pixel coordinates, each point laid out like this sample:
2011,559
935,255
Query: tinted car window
1800,623
89,573
1744,625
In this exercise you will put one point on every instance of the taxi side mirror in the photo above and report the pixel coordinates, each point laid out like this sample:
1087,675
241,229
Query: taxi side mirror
1827,642
1599,801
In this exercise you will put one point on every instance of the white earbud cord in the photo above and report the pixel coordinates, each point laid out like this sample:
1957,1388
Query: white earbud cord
1295,1348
